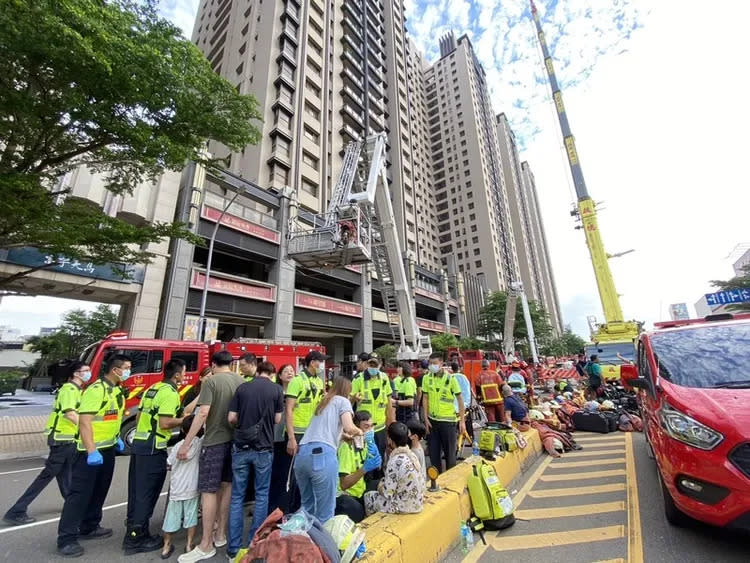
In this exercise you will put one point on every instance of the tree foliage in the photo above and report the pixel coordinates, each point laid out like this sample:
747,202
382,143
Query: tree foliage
492,319
387,353
738,282
567,344
471,343
113,87
441,342
79,329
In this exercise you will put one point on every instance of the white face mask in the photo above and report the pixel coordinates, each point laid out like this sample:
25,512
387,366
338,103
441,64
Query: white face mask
434,368
84,376
125,375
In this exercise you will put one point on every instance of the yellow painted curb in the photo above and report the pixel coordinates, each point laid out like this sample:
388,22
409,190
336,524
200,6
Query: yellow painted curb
429,535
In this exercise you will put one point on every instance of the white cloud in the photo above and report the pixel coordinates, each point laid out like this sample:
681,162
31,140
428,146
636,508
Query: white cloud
181,13
28,314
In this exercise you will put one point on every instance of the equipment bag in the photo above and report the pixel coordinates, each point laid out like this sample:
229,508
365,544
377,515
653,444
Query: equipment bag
490,501
507,436
490,443
591,422
613,419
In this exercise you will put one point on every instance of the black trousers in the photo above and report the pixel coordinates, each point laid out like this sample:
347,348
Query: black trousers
352,507
278,496
59,465
146,476
442,440
82,511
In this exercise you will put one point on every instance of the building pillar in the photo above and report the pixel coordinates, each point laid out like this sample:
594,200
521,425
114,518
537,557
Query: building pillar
363,296
282,275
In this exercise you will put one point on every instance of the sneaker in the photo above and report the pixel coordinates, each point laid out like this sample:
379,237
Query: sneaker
219,543
196,555
143,544
18,519
96,534
71,550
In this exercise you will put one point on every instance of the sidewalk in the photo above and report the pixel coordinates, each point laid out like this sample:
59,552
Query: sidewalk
22,436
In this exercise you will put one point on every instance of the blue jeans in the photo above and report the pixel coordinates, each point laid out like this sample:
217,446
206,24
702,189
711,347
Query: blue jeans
242,460
317,471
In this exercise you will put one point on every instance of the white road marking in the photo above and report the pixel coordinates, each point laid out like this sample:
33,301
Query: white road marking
51,520
21,470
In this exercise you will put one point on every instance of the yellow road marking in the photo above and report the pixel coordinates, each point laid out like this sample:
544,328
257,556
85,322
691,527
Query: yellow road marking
554,539
635,542
575,491
587,474
588,446
590,441
595,437
561,463
620,560
589,453
521,494
563,511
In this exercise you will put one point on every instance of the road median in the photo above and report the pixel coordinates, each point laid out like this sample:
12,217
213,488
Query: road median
22,436
432,533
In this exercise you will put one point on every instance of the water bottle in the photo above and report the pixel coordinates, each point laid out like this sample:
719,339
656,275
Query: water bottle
475,448
467,538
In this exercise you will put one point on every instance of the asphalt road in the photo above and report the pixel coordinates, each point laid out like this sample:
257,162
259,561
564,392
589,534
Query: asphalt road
561,521
26,403
35,543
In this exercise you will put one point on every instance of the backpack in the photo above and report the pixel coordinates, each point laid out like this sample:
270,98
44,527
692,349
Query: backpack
490,501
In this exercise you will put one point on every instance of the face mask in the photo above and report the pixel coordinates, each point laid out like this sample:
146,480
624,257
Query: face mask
434,368
85,376
370,436
373,371
125,375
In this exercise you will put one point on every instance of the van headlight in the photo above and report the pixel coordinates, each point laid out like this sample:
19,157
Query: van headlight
685,429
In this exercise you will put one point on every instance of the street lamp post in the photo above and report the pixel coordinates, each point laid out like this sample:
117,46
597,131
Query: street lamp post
204,296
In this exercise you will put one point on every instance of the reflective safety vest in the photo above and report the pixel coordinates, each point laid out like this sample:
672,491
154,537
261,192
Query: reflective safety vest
107,403
406,388
308,392
441,391
350,460
375,406
161,398
59,429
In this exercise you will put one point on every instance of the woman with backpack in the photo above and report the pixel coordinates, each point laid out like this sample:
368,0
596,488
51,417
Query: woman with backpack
316,466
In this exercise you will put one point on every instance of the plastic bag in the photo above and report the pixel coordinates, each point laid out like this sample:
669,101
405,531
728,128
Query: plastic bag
296,523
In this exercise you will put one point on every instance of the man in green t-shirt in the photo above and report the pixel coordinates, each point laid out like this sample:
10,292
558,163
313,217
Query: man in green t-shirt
61,430
354,464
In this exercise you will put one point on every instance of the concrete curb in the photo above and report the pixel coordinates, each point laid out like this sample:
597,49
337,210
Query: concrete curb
429,535
24,455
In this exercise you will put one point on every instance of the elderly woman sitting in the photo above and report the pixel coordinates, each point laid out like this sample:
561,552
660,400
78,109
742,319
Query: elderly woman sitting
515,410
401,490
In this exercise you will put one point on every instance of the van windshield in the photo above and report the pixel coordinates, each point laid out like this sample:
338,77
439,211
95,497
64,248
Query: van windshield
706,356
87,356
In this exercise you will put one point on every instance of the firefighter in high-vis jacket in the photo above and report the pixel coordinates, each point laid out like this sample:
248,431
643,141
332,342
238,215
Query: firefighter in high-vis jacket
97,441
61,430
159,412
371,391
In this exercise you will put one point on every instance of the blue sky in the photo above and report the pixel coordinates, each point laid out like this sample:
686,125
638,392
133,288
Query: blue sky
657,101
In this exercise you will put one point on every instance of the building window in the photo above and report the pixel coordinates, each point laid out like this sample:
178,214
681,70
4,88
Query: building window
311,135
310,160
478,263
312,111
475,240
309,187
476,252
281,145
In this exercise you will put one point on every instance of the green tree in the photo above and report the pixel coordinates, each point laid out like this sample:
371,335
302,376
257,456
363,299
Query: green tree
492,319
738,282
387,353
471,343
441,342
111,86
567,344
79,328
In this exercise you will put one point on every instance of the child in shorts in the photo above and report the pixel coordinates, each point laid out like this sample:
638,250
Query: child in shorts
182,508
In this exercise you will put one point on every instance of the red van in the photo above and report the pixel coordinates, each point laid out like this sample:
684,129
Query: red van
694,378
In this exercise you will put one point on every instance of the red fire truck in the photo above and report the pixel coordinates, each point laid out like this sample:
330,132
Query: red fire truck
148,357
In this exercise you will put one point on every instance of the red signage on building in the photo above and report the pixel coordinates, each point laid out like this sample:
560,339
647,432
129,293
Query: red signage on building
434,326
429,294
240,224
318,303
247,290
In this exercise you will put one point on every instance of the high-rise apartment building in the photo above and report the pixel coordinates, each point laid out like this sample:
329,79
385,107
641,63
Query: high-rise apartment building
540,249
472,205
528,262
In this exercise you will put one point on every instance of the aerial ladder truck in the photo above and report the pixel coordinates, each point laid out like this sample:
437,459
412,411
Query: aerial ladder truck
359,227
614,338
516,292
